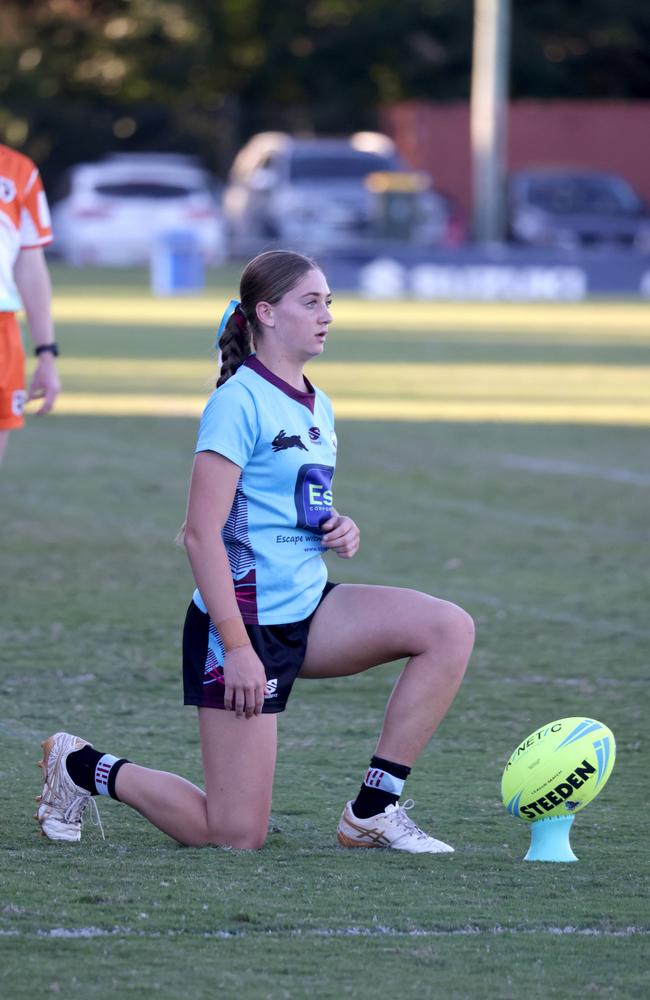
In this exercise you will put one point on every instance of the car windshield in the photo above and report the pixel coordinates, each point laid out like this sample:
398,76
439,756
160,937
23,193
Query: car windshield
339,166
582,195
143,189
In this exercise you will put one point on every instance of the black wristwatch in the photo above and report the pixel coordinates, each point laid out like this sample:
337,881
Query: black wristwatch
53,348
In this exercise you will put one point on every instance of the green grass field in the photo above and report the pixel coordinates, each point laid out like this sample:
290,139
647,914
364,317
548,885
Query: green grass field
493,455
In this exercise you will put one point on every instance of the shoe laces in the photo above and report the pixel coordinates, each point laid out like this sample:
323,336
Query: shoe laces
399,816
76,811
95,818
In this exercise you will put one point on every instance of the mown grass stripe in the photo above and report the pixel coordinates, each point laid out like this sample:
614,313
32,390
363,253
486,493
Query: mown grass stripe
620,414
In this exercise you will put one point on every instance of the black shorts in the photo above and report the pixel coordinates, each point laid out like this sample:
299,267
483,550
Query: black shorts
281,648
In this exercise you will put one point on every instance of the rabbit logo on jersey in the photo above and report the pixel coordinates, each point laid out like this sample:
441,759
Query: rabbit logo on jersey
313,496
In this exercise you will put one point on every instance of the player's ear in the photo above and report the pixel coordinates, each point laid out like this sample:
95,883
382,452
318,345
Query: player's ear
265,313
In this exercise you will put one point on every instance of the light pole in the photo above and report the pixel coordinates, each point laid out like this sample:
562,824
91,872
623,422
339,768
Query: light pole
490,64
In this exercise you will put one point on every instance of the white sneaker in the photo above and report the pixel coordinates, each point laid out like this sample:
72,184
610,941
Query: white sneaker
392,828
61,803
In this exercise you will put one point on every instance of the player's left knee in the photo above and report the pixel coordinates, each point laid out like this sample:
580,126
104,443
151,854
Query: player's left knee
453,633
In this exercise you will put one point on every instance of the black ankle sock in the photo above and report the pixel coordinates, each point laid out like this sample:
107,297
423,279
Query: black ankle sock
375,793
81,764
110,784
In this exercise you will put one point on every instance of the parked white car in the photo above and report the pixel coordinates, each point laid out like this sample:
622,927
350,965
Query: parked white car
318,194
114,211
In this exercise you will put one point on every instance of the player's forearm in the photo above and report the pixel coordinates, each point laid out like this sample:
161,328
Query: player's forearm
33,283
211,569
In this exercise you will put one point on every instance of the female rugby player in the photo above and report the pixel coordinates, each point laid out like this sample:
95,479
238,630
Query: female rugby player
260,516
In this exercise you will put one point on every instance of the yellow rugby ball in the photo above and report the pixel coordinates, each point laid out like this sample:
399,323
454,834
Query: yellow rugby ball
558,769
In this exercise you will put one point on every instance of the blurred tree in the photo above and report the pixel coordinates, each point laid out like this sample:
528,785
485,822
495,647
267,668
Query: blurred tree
583,49
79,78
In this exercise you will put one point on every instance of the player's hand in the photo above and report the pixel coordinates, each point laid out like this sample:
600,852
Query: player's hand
245,681
341,534
45,383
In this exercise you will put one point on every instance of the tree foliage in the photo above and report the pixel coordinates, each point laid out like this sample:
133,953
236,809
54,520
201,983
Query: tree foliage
82,77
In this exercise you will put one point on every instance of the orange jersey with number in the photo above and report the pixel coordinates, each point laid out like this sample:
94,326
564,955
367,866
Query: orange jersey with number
24,219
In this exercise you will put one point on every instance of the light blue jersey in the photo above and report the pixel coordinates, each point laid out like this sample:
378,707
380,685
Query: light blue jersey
284,442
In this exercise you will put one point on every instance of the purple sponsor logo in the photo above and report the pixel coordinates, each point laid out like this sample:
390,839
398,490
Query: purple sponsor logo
313,496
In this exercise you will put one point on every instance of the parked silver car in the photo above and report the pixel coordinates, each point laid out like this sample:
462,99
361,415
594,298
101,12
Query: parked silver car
575,208
112,212
319,194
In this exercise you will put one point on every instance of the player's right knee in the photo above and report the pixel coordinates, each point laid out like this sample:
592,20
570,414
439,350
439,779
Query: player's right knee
452,629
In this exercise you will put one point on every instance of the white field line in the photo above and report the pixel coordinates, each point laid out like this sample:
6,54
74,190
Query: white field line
619,413
592,322
561,467
377,931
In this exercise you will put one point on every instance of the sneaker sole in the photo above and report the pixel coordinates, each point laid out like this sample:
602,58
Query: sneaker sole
346,841
46,747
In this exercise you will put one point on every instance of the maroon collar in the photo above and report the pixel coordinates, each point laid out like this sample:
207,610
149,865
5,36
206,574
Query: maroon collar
306,398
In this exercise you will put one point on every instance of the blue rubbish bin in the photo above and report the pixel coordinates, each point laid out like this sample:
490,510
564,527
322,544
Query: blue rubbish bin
177,266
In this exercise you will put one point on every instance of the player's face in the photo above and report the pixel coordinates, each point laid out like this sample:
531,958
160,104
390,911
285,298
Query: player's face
302,317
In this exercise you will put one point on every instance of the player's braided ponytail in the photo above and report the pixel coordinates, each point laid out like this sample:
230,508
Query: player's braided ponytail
235,344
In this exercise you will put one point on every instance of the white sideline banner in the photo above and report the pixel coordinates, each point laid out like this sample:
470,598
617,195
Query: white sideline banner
386,278
494,274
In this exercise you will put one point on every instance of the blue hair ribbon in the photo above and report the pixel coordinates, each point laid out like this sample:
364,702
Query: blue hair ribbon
230,308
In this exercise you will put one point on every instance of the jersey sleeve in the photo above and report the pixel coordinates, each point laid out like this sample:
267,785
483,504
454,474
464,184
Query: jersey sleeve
229,424
34,224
